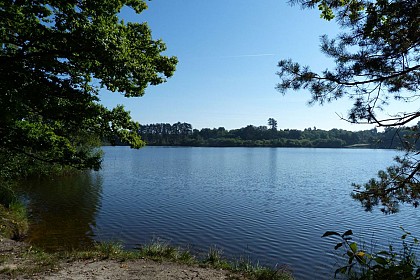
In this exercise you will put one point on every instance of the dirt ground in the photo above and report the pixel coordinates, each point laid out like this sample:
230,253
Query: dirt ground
138,269
12,257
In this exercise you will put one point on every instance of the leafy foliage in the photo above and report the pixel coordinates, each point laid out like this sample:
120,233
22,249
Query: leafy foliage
55,56
399,183
183,134
376,61
13,221
378,265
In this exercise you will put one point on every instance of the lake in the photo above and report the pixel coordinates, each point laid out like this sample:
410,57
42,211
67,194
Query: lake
269,204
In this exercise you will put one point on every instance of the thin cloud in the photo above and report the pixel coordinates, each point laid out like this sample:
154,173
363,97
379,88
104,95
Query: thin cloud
249,55
230,56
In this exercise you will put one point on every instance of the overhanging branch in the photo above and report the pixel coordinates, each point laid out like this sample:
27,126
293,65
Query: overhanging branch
377,80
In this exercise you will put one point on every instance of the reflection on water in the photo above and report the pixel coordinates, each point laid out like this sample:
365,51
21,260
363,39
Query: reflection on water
271,205
63,210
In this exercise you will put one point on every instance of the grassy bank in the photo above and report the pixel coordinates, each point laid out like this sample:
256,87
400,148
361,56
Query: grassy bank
27,261
13,221
162,251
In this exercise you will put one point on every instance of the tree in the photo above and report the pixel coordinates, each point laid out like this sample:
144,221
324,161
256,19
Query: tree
55,56
377,60
272,123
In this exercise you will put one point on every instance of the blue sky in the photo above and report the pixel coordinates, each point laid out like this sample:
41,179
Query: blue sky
228,53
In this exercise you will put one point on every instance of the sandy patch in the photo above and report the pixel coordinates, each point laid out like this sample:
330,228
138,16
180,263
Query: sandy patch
12,258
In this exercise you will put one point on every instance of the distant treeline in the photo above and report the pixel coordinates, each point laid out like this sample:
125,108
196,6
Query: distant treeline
183,134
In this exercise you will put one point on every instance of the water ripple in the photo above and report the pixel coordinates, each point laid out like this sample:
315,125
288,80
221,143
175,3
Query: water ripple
272,205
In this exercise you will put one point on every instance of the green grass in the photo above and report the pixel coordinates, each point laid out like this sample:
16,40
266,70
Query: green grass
31,261
159,250
41,260
36,261
245,267
13,221
214,258
102,251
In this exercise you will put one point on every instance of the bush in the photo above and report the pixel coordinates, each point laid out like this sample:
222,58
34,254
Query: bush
13,221
378,265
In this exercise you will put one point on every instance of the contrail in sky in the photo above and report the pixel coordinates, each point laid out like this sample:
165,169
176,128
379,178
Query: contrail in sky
249,55
235,56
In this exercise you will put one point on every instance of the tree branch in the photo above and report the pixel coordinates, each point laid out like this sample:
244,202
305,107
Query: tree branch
379,79
399,121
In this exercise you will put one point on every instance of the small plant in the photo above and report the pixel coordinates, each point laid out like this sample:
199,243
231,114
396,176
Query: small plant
13,221
186,257
41,258
380,265
214,256
215,259
272,274
158,249
109,249
258,272
245,265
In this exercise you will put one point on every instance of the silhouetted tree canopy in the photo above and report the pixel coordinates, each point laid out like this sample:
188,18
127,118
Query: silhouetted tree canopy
272,123
376,60
55,56
183,134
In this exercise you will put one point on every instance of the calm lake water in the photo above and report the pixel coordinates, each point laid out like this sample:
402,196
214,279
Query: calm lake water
270,204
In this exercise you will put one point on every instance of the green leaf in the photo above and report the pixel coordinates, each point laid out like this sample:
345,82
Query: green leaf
341,270
360,257
381,261
353,247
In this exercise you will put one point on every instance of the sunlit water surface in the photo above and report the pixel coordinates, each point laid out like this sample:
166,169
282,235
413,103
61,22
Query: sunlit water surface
269,204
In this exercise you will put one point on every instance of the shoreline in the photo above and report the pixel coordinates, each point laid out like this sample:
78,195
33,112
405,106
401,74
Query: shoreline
19,260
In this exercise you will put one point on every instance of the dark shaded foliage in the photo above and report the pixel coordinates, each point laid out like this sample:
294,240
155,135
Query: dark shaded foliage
183,134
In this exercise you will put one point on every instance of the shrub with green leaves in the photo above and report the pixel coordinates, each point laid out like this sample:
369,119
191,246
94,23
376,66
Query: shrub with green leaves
389,264
13,221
